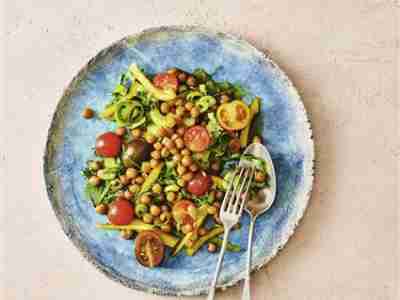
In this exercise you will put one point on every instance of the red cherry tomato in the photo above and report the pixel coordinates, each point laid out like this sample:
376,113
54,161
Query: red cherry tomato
165,80
181,212
120,212
108,144
149,249
197,138
199,185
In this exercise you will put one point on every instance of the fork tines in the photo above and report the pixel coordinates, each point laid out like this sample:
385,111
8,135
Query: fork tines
236,194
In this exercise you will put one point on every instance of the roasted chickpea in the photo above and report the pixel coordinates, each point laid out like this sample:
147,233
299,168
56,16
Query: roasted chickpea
156,188
151,139
181,170
187,176
124,179
174,136
182,76
166,228
164,152
224,98
88,113
164,208
119,194
171,196
94,180
94,165
180,182
178,102
156,154
146,167
162,132
193,167
186,161
191,81
164,108
155,210
259,176
194,112
177,157
145,199
211,247
169,144
127,234
173,150
128,195
187,228
180,131
257,139
172,71
180,111
120,131
234,145
188,106
102,209
165,216
136,133
134,188
154,163
131,173
212,210
219,195
139,180
215,166
147,218
157,146
185,151
202,231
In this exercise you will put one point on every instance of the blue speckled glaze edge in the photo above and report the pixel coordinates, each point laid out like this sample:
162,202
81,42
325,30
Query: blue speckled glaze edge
52,188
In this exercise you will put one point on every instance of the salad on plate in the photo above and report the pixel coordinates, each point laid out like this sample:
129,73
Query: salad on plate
161,175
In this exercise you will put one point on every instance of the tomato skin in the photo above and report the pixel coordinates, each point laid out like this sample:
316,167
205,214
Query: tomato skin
120,212
180,212
165,80
199,185
108,144
146,241
197,138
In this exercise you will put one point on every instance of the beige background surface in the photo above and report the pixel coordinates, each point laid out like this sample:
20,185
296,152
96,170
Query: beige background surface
341,54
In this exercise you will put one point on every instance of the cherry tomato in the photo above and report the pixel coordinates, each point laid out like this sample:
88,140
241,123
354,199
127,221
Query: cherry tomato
200,184
149,249
120,212
234,115
181,212
197,138
165,80
108,144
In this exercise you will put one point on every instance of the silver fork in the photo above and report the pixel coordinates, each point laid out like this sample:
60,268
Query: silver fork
230,212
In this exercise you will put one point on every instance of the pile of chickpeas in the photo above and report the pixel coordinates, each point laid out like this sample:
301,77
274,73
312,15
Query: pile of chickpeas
154,207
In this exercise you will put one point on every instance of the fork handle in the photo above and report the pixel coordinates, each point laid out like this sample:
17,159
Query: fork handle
211,293
246,285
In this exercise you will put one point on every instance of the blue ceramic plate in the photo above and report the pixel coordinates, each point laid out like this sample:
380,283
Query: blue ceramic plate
286,131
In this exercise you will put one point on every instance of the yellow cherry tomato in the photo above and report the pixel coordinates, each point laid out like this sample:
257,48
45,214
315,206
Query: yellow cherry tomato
233,115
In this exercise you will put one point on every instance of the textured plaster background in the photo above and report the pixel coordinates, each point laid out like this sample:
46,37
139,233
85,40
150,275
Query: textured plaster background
343,57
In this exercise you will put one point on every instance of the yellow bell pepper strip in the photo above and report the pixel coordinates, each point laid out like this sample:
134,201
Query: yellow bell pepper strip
161,94
204,239
231,247
218,182
182,243
254,109
137,225
151,179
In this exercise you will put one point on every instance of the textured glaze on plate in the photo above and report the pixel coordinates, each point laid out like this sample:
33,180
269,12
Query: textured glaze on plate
286,131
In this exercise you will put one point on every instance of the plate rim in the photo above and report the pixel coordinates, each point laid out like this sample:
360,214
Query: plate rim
309,167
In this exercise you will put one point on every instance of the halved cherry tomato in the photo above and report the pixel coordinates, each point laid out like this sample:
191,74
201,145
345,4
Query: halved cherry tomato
149,249
197,138
182,212
165,80
233,115
120,212
108,144
200,184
